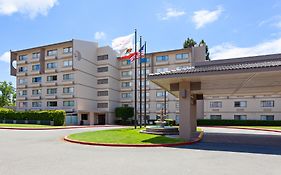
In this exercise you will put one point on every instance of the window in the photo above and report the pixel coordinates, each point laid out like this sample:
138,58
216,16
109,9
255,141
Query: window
68,103
68,76
52,103
36,91
142,106
36,104
67,63
52,65
142,72
240,117
182,56
125,105
23,57
102,93
126,73
161,105
163,69
102,81
216,104
126,95
22,69
51,91
23,93
36,67
160,94
67,50
102,57
102,105
177,105
125,62
142,94
142,84
103,69
23,104
162,58
68,90
52,78
267,103
52,52
215,117
126,84
36,55
84,116
267,117
22,81
241,104
36,79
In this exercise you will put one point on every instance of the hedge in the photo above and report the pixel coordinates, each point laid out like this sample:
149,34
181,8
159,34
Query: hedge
208,122
58,116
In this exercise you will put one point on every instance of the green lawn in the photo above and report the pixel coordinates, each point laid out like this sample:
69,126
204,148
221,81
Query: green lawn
123,136
27,126
262,127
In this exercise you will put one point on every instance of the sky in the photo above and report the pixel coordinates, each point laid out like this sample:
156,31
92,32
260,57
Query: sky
233,28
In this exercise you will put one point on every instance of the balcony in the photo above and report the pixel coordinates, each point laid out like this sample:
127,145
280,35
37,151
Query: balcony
70,95
20,62
21,86
34,60
51,70
53,57
35,84
51,96
21,98
67,69
35,97
34,72
19,74
51,83
65,82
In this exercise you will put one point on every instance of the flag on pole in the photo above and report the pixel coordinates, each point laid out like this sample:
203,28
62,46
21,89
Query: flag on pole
123,45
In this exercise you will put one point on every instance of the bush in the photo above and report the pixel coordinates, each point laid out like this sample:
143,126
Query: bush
170,122
208,122
58,116
124,113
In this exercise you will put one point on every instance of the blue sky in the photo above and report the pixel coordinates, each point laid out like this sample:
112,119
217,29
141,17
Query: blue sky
231,28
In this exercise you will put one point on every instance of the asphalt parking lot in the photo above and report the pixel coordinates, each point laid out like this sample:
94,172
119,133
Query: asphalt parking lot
222,151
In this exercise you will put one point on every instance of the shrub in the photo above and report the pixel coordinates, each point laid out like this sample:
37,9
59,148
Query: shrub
124,113
170,122
208,122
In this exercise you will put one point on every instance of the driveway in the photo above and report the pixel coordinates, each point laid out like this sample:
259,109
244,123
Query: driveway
45,153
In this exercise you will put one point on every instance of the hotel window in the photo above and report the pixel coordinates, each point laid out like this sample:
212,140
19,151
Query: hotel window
177,105
52,103
126,73
36,91
182,56
240,117
22,81
102,81
22,69
162,58
68,103
102,93
241,104
68,76
267,117
126,84
52,78
67,50
36,79
267,103
23,104
51,91
36,55
52,52
103,69
102,57
125,105
23,57
102,105
161,105
216,104
67,63
142,94
163,69
126,95
160,94
142,84
147,106
52,65
36,67
68,90
215,117
36,104
125,62
142,72
23,93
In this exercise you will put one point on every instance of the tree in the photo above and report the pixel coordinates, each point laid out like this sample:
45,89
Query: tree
202,42
7,94
125,113
189,43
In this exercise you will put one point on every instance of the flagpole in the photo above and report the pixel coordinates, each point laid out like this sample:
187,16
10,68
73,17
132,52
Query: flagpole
136,78
140,61
145,84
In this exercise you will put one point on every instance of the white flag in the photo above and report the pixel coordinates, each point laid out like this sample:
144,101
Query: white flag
123,43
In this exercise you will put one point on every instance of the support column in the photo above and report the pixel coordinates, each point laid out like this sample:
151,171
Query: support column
92,118
187,120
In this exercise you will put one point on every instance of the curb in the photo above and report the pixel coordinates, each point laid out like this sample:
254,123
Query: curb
198,139
255,129
59,128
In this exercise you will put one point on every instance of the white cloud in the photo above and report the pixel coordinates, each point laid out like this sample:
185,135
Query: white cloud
228,50
5,57
172,13
100,35
274,21
203,17
31,8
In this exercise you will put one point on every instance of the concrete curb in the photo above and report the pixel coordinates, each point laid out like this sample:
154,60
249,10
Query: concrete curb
59,128
198,139
255,129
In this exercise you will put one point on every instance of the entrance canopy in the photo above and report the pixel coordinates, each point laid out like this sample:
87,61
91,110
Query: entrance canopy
239,76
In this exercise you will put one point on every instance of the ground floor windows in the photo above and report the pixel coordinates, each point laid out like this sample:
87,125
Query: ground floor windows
240,117
84,116
36,104
267,117
68,103
52,103
215,117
